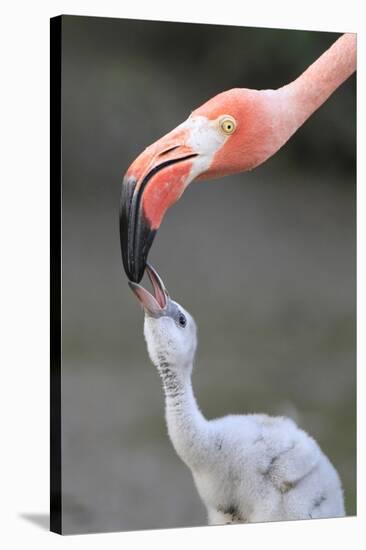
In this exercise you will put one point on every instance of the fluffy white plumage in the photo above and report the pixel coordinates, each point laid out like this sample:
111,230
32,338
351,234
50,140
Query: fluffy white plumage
247,468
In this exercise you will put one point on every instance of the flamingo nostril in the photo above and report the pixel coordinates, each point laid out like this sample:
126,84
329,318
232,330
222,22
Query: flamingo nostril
168,150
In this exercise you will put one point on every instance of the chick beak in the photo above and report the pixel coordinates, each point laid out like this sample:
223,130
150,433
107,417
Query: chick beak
154,305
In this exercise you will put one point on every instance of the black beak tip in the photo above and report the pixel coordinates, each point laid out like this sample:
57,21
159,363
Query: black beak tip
135,245
136,275
134,270
136,233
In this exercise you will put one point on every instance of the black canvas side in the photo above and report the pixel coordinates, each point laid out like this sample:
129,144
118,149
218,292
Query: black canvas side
55,275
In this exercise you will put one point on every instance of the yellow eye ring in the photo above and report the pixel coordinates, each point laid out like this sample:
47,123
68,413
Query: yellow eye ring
228,124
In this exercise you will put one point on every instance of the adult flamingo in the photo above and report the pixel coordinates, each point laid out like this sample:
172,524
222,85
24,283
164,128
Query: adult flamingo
233,132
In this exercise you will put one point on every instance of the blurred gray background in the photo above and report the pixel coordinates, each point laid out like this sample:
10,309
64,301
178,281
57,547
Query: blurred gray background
265,261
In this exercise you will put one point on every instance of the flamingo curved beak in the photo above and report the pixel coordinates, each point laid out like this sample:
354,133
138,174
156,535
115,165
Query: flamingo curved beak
155,304
153,182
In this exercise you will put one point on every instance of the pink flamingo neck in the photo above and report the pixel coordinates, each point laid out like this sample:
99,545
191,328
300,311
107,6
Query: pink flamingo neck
312,88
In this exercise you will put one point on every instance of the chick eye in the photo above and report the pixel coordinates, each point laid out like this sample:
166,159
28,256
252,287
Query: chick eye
228,124
182,320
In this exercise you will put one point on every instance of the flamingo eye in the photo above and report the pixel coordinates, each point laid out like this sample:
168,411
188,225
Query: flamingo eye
182,320
228,124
